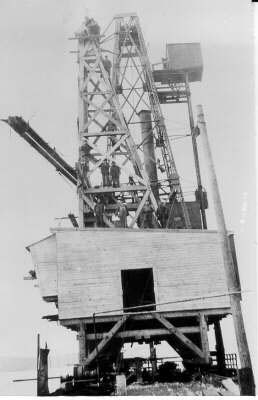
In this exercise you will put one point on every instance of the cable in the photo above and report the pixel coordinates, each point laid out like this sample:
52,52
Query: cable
183,300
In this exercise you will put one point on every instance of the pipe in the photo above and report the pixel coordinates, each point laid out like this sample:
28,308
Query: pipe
148,150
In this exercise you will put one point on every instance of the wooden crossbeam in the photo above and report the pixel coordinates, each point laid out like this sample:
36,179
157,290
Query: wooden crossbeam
175,331
139,209
105,340
110,189
105,133
143,333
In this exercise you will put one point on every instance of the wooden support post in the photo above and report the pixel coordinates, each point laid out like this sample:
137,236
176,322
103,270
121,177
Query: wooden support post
244,355
106,340
153,359
204,337
187,342
219,348
82,344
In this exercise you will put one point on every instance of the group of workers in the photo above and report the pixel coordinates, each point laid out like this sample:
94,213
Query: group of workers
167,215
110,174
121,214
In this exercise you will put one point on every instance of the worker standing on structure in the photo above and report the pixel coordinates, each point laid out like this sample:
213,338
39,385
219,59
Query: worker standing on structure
92,27
135,197
122,213
105,173
115,174
147,216
99,210
162,214
107,65
111,127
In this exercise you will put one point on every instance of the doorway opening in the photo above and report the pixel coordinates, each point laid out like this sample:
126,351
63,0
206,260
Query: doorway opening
138,289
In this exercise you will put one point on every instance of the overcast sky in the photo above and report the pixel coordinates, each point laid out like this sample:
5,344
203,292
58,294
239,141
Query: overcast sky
38,80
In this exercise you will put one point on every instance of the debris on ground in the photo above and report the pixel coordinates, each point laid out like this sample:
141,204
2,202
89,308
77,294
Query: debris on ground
192,388
231,387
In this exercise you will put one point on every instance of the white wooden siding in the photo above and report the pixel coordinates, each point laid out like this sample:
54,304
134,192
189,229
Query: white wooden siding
44,258
185,264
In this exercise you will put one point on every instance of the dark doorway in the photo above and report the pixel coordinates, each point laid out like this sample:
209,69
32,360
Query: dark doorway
138,289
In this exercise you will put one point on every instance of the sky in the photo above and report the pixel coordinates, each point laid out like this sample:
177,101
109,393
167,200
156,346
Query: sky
38,81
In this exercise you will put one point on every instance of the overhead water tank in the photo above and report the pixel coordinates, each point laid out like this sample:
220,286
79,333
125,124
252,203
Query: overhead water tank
185,57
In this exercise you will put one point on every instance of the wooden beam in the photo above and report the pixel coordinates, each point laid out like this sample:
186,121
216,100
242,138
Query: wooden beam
220,350
143,333
175,331
139,209
220,312
82,343
110,189
204,337
105,133
105,340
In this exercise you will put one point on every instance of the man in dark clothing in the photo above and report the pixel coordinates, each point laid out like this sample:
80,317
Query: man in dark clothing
107,65
111,127
147,216
162,214
99,210
135,198
115,174
93,27
122,213
105,173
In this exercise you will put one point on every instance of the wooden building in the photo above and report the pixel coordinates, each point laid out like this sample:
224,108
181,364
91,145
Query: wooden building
119,285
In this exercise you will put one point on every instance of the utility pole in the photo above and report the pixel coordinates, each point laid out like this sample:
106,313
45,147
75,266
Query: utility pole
247,385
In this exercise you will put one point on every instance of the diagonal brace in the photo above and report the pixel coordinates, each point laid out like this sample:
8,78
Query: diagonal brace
105,340
187,342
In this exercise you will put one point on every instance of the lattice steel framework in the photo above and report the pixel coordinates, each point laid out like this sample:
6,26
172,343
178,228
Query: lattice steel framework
98,110
134,83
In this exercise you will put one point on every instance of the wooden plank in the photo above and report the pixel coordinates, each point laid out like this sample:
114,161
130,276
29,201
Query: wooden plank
143,333
105,340
175,331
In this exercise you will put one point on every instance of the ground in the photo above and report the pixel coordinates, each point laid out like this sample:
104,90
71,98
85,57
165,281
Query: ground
179,389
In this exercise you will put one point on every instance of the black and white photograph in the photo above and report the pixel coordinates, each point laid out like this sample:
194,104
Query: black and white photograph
128,197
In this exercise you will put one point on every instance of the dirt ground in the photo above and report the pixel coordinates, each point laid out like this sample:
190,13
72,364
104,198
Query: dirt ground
177,389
